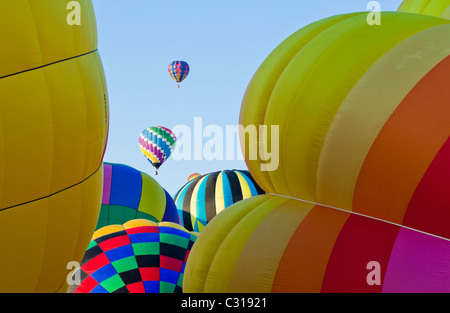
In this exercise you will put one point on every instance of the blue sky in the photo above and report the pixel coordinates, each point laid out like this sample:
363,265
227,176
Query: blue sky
224,43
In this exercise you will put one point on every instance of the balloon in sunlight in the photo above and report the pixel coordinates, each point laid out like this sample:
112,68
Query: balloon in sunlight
140,256
157,144
193,176
204,197
131,194
364,128
53,131
178,70
439,8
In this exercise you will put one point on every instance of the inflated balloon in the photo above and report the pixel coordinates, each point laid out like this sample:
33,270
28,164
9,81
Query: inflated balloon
356,148
275,244
440,8
140,256
157,144
364,129
203,198
131,194
53,131
193,176
178,70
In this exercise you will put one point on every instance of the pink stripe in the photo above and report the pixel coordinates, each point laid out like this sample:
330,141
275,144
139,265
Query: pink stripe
418,263
107,174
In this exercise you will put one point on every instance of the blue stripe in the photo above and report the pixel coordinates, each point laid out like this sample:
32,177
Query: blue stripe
126,186
104,273
119,253
249,183
143,237
227,194
200,204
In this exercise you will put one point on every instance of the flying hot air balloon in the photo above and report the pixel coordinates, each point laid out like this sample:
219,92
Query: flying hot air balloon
157,144
178,70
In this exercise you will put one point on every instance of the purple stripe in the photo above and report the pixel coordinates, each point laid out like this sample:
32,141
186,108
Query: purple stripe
418,263
107,174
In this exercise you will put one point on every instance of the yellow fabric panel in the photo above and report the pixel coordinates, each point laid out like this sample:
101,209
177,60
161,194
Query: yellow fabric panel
55,126
314,84
23,232
245,188
72,217
43,32
366,110
259,260
438,8
138,223
53,130
106,230
223,265
153,198
258,93
194,212
219,197
41,237
209,240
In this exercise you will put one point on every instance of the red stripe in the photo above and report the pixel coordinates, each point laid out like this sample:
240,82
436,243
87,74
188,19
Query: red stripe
149,273
95,263
142,229
137,287
114,242
86,285
171,263
360,241
429,208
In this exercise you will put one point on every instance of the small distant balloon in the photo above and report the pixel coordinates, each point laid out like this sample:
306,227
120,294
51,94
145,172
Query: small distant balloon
178,70
157,144
193,176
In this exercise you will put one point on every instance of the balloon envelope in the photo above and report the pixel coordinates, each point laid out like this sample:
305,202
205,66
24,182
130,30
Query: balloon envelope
157,144
178,70
204,197
131,194
54,119
139,256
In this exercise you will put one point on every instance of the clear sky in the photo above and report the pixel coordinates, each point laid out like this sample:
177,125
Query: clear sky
224,43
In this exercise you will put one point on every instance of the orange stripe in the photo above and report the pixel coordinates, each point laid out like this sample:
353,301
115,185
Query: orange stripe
405,147
303,264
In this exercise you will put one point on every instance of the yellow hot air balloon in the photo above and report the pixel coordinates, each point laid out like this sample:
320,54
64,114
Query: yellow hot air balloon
53,131
364,126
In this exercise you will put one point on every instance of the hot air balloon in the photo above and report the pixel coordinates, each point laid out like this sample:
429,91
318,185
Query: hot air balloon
360,202
193,176
199,200
157,144
131,194
178,70
140,256
54,124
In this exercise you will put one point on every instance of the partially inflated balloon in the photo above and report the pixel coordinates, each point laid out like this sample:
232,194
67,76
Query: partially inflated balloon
53,131
139,256
157,144
440,8
275,244
193,176
203,198
131,194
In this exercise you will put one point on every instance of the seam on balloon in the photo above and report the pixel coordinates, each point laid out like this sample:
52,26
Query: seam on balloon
360,214
55,193
48,64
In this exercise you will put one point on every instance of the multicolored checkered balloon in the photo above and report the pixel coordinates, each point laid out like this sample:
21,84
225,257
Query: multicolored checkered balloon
140,256
157,144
